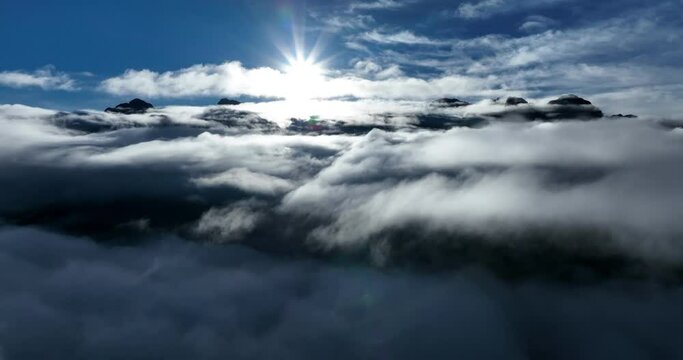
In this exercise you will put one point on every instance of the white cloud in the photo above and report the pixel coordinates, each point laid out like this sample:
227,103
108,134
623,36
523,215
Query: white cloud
229,224
402,37
46,79
537,23
370,80
479,9
376,5
367,67
370,68
357,46
483,181
229,78
246,180
357,189
483,9
232,79
351,22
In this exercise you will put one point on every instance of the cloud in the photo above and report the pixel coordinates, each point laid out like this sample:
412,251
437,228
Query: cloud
536,24
483,9
176,162
369,68
403,37
46,79
377,5
231,79
456,182
244,238
541,64
231,223
244,243
611,41
339,22
479,9
599,59
246,180
68,297
356,191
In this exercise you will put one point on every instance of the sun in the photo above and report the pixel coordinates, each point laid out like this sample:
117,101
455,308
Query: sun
305,78
305,69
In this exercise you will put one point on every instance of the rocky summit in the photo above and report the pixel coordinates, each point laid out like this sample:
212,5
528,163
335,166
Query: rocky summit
565,107
226,101
570,99
512,101
450,103
135,106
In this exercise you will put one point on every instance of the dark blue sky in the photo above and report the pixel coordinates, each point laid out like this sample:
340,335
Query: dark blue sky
107,37
533,47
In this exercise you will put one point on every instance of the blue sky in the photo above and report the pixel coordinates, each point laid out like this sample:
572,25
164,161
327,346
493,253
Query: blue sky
76,54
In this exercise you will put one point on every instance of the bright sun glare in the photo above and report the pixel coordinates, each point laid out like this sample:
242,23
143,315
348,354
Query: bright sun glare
304,77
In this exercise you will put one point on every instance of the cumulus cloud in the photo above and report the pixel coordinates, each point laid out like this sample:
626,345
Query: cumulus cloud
232,79
47,79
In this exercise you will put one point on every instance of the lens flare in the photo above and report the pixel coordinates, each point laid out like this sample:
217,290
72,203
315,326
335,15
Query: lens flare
304,74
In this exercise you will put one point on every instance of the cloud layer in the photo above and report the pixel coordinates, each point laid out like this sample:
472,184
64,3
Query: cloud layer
65,297
577,187
192,232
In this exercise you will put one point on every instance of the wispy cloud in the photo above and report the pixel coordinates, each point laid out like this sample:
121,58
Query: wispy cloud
486,8
536,24
617,55
351,22
46,78
404,37
479,9
376,5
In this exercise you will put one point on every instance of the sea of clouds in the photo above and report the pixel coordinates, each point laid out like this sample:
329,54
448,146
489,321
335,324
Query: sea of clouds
219,232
